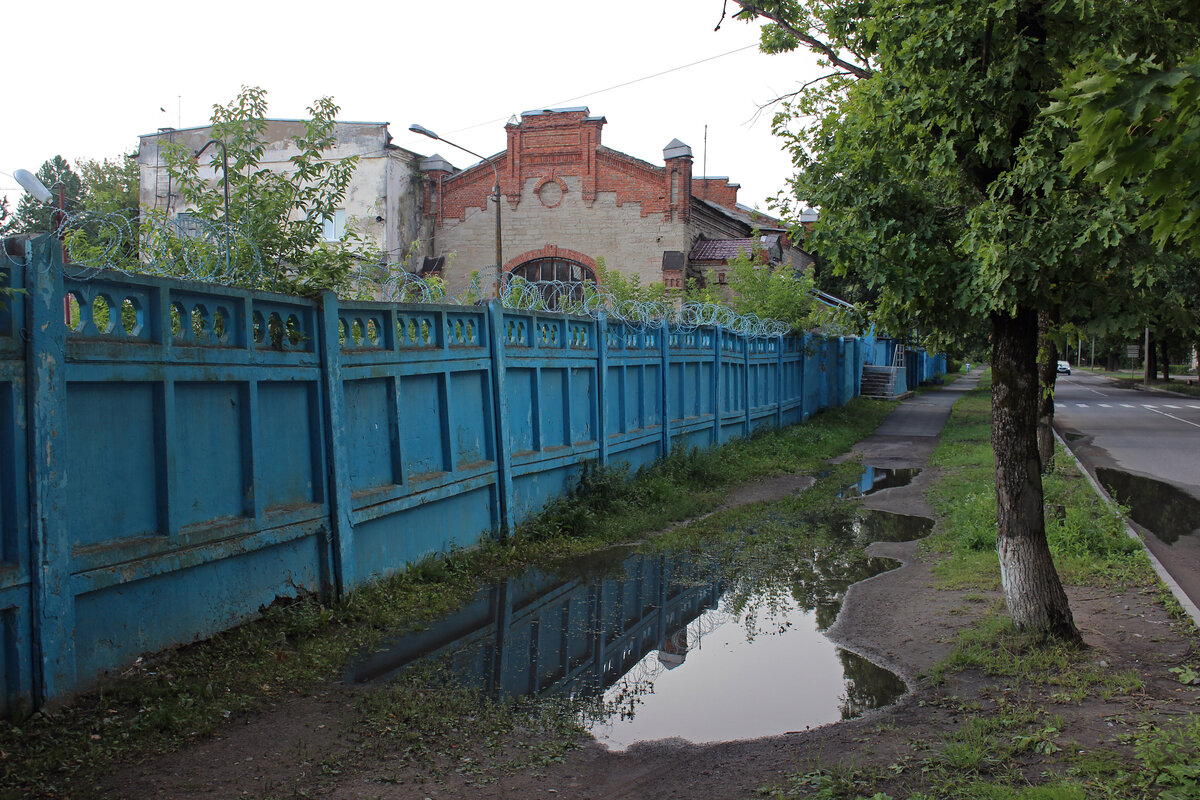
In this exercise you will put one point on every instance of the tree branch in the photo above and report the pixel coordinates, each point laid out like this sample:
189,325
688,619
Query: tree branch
811,42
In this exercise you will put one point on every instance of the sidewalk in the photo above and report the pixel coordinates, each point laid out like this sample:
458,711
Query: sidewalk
910,433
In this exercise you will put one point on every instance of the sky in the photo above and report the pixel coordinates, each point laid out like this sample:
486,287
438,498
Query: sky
86,78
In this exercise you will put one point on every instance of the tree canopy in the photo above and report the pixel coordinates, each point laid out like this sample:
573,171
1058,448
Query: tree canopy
941,181
1138,120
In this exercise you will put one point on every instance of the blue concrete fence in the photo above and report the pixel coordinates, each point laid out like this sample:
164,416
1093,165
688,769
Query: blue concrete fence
194,452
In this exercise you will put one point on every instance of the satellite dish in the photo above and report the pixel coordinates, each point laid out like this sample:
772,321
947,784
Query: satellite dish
32,185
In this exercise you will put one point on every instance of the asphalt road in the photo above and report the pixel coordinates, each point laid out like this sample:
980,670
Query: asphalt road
1147,434
1151,433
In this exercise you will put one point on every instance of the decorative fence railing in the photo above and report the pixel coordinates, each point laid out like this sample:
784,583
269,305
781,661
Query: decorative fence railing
195,452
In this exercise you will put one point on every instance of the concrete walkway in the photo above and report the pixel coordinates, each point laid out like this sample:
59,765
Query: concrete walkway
908,436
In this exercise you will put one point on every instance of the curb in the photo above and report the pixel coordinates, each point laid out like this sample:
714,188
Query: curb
1189,607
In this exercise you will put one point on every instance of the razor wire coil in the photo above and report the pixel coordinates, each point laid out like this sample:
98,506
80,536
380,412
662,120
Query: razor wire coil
198,249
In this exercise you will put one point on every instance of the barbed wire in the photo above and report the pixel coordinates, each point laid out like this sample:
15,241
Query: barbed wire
190,248
194,248
579,298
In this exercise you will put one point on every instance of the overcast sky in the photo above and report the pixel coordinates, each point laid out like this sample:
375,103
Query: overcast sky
86,78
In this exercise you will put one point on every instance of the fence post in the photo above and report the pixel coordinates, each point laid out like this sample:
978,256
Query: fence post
50,546
504,481
341,524
602,386
664,388
746,340
716,385
779,381
841,371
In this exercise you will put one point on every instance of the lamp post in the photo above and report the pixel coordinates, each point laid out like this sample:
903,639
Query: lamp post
225,180
30,183
499,249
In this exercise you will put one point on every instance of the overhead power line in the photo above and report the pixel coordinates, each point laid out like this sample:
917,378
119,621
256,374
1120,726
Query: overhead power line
557,103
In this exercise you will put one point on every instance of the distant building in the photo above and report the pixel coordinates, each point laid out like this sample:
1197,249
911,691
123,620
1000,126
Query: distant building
383,200
569,202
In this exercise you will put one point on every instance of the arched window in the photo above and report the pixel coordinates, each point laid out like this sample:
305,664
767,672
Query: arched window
558,279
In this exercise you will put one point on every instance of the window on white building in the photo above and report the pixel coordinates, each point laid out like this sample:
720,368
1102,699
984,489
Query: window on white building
335,226
188,225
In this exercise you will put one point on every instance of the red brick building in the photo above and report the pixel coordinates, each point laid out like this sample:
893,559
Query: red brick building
570,202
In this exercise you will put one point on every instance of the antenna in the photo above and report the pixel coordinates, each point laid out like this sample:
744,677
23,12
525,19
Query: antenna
704,167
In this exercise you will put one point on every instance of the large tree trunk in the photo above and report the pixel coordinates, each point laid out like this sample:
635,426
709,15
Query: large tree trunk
1166,360
1034,594
1047,373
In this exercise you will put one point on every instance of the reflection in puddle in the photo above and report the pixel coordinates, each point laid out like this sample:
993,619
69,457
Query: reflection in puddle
1165,510
876,479
670,644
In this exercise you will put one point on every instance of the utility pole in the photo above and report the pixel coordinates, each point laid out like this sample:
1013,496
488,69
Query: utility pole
1146,376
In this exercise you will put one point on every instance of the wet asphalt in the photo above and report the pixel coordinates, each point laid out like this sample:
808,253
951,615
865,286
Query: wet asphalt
1144,449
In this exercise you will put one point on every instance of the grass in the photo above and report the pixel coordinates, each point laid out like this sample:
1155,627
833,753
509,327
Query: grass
1086,538
1014,741
171,698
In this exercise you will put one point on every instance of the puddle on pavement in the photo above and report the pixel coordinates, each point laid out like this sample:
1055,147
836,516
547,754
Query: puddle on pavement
660,645
1165,510
876,479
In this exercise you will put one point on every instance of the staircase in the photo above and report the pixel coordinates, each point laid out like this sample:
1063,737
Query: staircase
878,382
881,382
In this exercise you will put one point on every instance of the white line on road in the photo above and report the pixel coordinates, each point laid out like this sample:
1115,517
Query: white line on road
1105,405
1126,405
1167,405
1177,419
1081,405
1193,405
1149,406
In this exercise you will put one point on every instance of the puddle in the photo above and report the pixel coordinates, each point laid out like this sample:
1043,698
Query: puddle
1161,508
876,479
660,645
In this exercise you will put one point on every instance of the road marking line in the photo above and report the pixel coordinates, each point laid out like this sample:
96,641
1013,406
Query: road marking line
1149,406
1081,405
1177,419
1170,406
1105,405
1126,405
1060,405
1193,405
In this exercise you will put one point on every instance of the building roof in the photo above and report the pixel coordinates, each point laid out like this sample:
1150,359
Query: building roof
725,249
167,130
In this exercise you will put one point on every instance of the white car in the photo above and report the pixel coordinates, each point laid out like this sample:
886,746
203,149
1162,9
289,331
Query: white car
1064,368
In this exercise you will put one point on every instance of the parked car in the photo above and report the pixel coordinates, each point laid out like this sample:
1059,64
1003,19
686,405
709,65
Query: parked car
1064,368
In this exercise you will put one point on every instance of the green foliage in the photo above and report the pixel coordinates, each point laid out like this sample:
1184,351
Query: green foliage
282,213
939,180
629,288
1170,760
780,293
111,186
1138,120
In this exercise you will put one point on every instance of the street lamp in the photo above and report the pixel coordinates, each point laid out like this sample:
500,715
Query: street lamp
499,250
35,188
29,182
